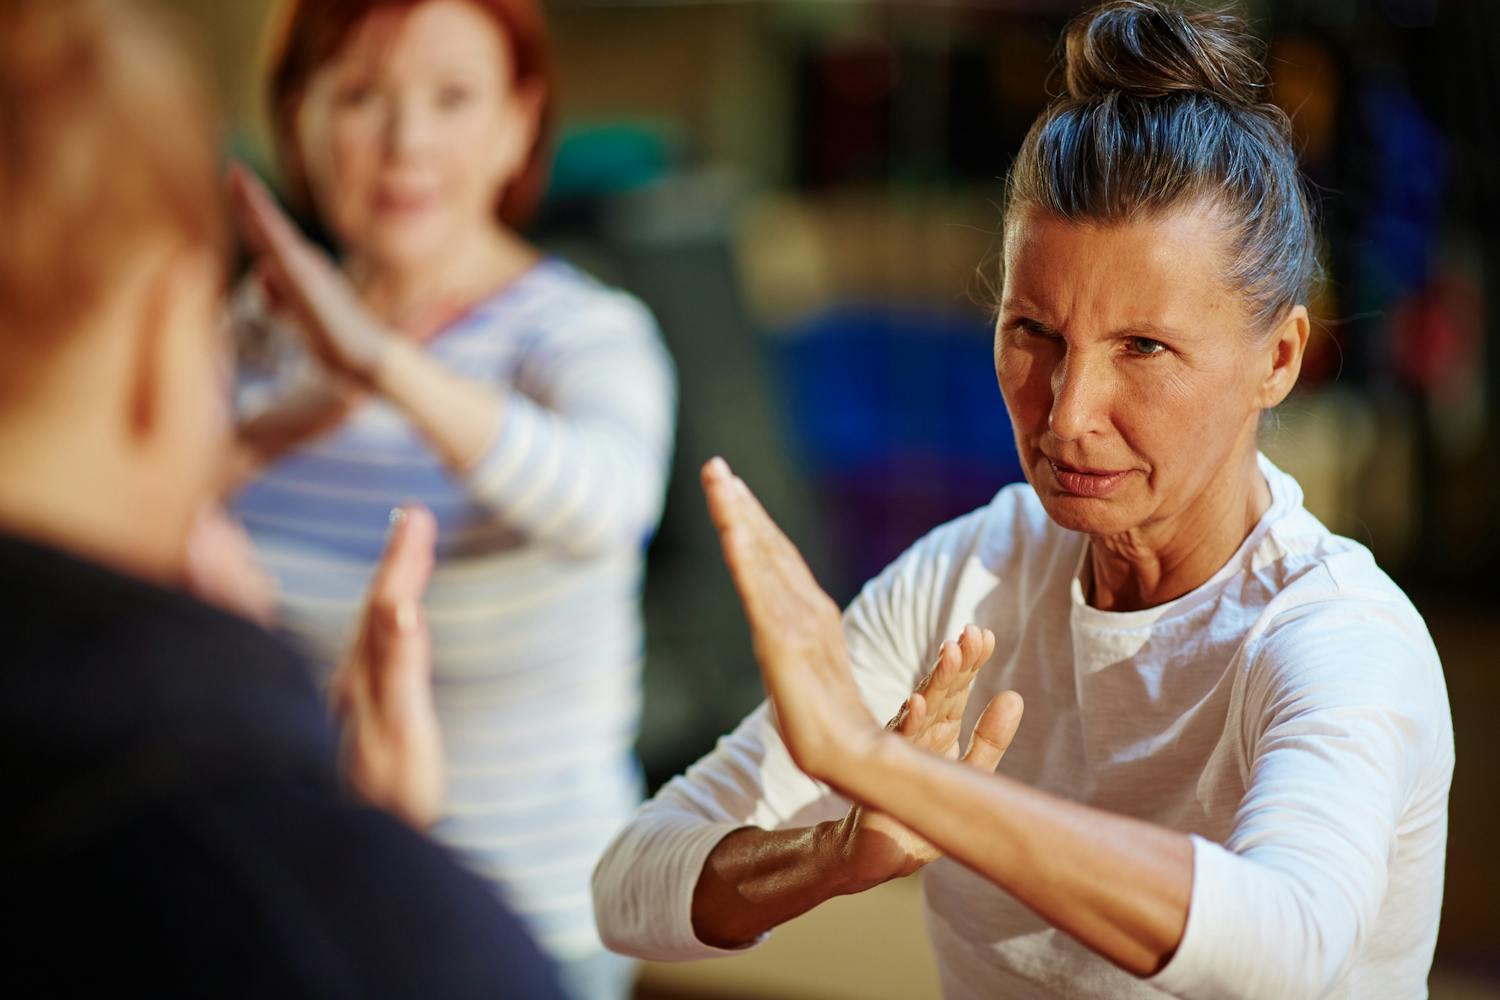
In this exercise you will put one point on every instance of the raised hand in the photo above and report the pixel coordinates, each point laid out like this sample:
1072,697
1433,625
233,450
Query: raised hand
392,750
796,630
221,568
876,847
303,282
798,637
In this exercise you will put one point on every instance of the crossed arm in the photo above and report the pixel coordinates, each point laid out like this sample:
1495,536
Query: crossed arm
458,416
1119,885
582,472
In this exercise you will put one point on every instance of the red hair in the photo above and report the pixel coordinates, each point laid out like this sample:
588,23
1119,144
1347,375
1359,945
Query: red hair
313,31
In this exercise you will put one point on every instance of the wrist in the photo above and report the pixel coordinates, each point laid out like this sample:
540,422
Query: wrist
837,858
376,372
855,769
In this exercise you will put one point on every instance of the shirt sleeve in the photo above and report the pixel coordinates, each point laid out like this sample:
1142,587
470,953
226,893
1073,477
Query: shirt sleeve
581,456
1348,725
643,885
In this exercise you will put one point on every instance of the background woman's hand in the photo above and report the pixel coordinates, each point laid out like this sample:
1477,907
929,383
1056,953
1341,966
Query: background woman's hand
392,746
304,283
876,848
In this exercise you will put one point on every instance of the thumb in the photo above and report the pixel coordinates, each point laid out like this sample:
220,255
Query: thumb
995,729
395,633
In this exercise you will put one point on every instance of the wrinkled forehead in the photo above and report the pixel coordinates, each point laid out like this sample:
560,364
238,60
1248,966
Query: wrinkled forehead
426,39
1165,269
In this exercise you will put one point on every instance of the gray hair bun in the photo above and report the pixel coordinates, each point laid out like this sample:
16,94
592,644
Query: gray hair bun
1152,48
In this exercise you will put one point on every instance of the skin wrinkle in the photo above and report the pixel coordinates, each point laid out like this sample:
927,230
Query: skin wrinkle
1116,156
1079,393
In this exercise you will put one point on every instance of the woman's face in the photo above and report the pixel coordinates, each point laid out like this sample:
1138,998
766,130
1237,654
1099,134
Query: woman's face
413,129
1131,373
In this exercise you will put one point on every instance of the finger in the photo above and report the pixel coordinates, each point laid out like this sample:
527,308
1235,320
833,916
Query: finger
971,642
244,203
729,502
718,491
266,227
393,624
946,686
912,717
407,564
272,282
736,504
765,565
400,665
945,671
994,731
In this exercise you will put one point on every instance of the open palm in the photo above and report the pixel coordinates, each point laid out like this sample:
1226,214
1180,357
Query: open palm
797,632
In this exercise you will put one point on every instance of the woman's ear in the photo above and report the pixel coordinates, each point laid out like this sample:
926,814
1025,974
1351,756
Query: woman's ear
1284,351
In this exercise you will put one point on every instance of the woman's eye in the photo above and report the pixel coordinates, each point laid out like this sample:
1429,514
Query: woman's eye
1145,347
354,95
449,98
1032,328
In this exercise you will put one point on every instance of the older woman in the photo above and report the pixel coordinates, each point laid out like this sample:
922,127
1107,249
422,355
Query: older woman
1234,772
445,359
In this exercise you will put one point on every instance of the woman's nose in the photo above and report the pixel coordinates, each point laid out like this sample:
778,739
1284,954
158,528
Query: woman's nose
1080,395
406,127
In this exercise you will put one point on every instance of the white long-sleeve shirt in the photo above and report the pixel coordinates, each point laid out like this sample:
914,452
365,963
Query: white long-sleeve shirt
1290,714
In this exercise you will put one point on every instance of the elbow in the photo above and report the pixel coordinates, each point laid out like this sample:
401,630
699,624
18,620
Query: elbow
603,885
1320,952
1289,932
1315,968
621,916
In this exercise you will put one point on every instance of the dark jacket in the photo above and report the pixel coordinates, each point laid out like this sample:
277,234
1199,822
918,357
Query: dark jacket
174,825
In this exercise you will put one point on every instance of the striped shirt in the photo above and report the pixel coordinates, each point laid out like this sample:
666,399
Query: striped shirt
534,604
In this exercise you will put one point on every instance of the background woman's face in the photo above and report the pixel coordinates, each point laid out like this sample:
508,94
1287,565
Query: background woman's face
1129,370
413,129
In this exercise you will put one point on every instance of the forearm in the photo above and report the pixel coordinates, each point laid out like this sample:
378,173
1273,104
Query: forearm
756,879
1119,885
306,414
459,417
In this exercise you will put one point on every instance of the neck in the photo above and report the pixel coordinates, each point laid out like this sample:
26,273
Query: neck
1159,563
74,486
415,296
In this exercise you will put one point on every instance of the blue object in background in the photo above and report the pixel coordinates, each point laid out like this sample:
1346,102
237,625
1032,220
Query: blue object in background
895,415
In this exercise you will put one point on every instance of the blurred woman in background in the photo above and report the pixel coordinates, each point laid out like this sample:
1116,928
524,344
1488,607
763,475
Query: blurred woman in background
445,359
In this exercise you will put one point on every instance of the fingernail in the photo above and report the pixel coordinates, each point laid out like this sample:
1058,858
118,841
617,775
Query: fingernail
398,516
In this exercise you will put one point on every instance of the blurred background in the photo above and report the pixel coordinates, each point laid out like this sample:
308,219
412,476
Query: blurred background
807,195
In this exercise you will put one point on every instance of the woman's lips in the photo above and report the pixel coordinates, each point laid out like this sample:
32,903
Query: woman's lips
401,203
1087,482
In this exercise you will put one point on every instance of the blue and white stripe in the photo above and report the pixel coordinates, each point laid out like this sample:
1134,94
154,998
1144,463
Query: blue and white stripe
534,605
